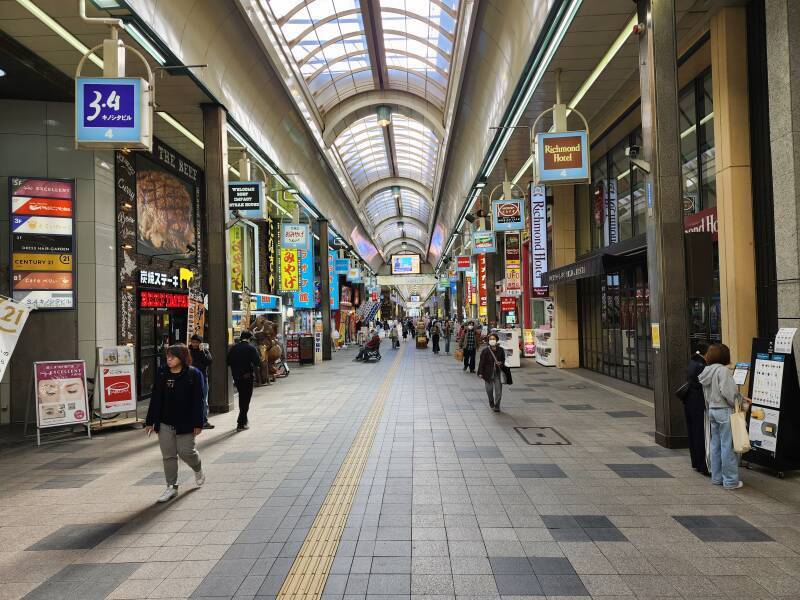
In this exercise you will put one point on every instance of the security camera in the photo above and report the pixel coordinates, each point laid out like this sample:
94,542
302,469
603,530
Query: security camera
632,151
470,218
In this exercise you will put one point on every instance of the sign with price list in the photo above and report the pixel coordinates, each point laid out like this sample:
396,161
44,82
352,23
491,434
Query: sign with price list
113,113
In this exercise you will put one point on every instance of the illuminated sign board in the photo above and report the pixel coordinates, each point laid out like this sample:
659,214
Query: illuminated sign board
151,299
113,113
562,157
405,264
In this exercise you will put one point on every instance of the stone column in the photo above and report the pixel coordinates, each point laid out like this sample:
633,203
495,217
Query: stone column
734,191
325,289
665,256
783,64
217,282
565,295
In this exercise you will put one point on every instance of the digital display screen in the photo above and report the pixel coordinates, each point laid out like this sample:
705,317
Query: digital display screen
149,299
405,264
414,298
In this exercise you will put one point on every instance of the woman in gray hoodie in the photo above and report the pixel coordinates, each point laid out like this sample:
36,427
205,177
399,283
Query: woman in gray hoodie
721,395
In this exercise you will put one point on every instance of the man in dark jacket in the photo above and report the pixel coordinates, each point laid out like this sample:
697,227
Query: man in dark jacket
243,360
201,360
469,344
694,406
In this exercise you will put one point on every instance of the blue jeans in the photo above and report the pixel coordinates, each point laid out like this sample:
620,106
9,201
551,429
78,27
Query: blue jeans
724,462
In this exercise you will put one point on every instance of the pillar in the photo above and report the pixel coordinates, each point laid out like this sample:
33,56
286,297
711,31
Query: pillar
783,66
734,190
565,295
665,255
217,283
325,289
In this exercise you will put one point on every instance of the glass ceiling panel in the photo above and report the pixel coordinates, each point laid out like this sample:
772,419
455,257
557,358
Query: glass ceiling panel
414,205
392,231
363,151
416,147
381,206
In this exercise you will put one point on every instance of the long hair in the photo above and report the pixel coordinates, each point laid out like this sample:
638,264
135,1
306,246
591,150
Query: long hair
181,352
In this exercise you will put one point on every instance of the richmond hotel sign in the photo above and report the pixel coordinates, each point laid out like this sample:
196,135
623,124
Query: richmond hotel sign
562,158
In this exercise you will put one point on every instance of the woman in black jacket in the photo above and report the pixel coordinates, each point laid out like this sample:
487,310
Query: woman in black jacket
176,414
694,406
490,366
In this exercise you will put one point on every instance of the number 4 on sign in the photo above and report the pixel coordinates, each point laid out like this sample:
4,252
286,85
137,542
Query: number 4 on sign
564,173
109,133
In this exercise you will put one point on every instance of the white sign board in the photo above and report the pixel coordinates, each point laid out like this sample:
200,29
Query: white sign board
764,428
13,316
783,340
116,379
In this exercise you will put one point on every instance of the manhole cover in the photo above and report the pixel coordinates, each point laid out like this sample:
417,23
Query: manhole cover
542,436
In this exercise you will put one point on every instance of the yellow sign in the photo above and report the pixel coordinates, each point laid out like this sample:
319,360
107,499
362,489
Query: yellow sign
29,261
290,274
655,334
236,254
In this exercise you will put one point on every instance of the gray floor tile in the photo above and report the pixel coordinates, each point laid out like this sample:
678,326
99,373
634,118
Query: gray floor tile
66,463
381,583
562,585
518,585
625,414
577,407
510,565
639,471
654,452
551,566
76,537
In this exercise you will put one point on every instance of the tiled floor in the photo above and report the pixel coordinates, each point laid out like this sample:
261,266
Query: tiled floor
453,501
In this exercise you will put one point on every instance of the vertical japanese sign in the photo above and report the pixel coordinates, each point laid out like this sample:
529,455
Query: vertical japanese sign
513,263
196,321
60,388
42,242
13,316
290,272
483,292
304,297
236,257
539,239
333,280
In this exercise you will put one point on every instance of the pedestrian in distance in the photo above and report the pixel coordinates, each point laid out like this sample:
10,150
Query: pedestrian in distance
243,360
694,407
490,368
448,332
201,360
721,397
469,345
176,415
435,336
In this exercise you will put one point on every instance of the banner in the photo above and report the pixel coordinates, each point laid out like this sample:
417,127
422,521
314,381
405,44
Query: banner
334,280
117,371
13,316
60,393
513,251
483,292
539,239
463,263
304,297
236,254
295,235
528,343
483,242
290,280
508,215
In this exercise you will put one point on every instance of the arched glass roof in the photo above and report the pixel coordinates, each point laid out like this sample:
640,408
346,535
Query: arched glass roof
382,205
393,232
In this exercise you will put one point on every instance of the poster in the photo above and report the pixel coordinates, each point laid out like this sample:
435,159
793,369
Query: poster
60,393
13,316
111,356
42,242
117,388
528,343
304,297
764,428
783,340
196,320
509,215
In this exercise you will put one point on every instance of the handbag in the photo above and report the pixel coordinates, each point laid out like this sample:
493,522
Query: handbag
741,438
505,375
459,354
683,391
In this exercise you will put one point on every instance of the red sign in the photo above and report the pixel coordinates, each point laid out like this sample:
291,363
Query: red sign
148,299
482,289
117,388
704,221
41,188
463,263
45,207
508,303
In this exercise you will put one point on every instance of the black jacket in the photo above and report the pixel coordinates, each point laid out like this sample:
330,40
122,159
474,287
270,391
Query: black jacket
487,359
183,405
695,395
201,360
243,359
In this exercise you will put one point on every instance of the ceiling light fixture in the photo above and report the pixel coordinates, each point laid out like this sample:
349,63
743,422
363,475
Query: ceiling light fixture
2,73
384,114
140,39
396,191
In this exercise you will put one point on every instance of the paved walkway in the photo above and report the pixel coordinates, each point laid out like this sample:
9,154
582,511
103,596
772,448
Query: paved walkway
452,501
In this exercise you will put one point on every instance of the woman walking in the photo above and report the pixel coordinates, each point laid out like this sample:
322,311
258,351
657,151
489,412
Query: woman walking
721,397
490,366
435,337
176,415
694,406
448,332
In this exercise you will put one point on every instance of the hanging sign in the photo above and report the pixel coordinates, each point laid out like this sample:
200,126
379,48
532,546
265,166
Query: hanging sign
483,242
463,263
508,303
452,274
333,280
482,287
704,221
509,215
60,388
513,257
342,265
290,279
113,113
247,197
444,283
539,239
562,157
611,233
13,316
304,297
295,235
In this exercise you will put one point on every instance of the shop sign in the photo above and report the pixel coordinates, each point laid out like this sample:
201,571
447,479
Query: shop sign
317,342
611,231
117,376
60,393
247,197
196,321
704,221
508,303
562,157
41,224
13,316
528,343
158,278
452,274
266,301
304,297
463,263
290,280
342,265
513,257
483,293
163,300
509,215
333,280
444,283
295,235
483,242
112,113
539,239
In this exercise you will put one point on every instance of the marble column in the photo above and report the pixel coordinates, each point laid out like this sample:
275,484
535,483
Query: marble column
564,337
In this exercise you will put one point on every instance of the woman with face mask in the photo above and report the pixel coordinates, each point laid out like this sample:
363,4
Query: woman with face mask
490,366
469,344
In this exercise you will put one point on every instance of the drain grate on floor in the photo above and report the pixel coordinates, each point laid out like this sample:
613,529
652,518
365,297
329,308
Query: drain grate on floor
542,436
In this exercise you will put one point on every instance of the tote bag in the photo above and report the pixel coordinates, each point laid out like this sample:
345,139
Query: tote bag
741,438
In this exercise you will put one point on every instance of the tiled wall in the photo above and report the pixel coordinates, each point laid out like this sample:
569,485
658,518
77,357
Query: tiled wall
36,140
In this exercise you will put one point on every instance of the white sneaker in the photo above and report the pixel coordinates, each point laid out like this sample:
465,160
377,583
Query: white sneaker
168,494
199,478
738,486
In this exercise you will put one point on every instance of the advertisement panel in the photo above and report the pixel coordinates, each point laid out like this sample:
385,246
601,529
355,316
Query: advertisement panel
342,265
334,280
295,235
513,251
508,215
13,316
562,157
539,239
290,280
41,220
528,343
483,242
405,264
463,263
247,197
483,292
60,393
304,297
117,372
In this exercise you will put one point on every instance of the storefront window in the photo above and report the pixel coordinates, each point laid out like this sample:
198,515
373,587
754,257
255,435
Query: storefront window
620,172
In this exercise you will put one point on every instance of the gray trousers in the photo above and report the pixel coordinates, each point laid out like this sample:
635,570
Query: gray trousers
494,389
174,445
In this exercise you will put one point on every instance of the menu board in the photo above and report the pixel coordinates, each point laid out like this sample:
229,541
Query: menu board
764,428
42,242
768,380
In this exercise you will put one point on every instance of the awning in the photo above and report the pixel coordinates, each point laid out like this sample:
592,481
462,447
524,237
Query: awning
586,267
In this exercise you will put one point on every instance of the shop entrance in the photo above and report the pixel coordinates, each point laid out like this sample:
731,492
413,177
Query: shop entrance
158,328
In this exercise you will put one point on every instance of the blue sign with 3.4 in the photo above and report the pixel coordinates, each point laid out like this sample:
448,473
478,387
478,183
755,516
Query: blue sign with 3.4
109,110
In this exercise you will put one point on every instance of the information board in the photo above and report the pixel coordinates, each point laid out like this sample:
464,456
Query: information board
764,428
768,380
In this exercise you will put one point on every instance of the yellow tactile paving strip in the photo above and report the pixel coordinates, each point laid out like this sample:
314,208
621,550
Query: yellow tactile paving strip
309,572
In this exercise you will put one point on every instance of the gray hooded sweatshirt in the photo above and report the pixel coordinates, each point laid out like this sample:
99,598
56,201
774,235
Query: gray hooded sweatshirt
719,388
